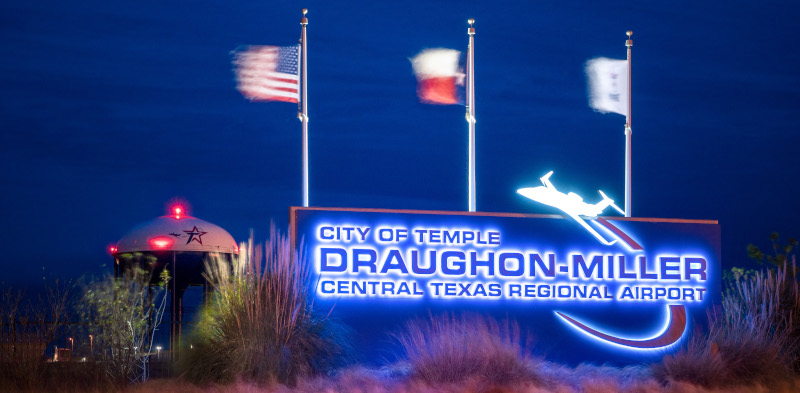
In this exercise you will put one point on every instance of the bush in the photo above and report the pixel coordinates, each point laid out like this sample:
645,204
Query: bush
447,349
754,341
123,315
261,324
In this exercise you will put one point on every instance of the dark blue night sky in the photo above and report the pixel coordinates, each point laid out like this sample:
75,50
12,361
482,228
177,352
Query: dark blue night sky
109,110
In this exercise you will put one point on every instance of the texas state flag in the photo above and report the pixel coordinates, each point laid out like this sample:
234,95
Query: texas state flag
440,76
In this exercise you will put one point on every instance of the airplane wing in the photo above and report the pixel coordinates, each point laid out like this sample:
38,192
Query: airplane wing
591,230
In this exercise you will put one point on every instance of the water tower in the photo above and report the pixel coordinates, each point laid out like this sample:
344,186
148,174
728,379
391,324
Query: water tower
179,243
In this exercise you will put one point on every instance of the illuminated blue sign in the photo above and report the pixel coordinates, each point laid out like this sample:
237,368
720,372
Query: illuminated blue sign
583,300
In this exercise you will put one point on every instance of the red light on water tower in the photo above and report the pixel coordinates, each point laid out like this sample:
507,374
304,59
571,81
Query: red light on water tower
112,249
160,243
177,208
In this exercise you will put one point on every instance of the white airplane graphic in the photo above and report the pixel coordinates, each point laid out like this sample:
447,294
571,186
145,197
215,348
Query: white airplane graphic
571,203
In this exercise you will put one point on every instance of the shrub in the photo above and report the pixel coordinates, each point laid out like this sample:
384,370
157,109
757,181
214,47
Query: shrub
261,324
781,253
754,341
449,349
123,315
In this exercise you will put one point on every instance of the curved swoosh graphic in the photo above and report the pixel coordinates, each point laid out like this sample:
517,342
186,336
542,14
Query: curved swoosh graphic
632,244
676,325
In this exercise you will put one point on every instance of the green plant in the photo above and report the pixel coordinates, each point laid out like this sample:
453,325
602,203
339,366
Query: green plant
123,315
781,253
261,324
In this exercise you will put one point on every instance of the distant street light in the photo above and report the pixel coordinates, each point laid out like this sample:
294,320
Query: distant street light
158,352
91,344
71,345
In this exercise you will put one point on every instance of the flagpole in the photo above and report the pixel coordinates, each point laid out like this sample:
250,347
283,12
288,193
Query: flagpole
628,44
304,101
471,112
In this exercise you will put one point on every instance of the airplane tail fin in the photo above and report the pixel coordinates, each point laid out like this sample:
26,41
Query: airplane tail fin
608,202
546,179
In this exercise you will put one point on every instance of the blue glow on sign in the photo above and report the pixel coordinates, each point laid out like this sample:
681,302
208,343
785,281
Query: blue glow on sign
506,263
389,266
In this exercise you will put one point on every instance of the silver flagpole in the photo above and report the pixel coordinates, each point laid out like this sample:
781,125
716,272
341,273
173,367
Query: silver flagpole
471,112
304,100
629,44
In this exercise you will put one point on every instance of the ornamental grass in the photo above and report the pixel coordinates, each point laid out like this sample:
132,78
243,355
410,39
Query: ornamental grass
753,342
261,325
448,349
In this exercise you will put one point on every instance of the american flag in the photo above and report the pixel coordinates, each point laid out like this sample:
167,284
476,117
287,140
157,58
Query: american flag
268,73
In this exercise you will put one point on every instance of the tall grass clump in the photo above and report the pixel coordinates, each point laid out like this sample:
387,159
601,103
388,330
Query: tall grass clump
754,341
447,349
261,325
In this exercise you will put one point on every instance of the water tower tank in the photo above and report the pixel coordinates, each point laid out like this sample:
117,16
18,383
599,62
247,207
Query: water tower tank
180,244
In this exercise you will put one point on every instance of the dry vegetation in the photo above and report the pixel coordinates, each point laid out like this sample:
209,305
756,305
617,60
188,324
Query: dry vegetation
755,340
261,333
450,349
556,379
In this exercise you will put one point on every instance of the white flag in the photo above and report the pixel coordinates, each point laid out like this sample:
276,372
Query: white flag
608,85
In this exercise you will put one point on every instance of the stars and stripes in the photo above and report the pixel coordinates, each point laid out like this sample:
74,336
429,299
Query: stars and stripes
268,73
